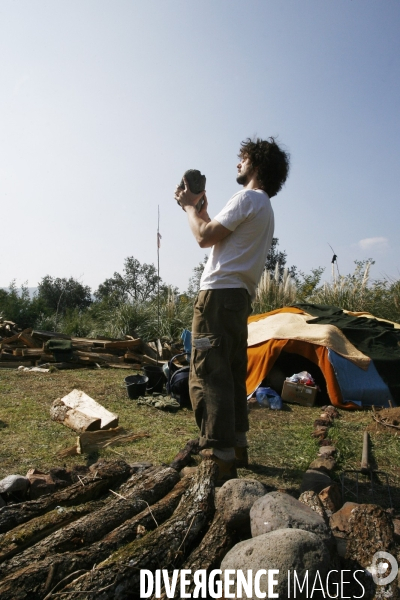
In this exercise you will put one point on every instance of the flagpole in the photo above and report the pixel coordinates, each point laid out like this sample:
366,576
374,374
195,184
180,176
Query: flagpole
158,278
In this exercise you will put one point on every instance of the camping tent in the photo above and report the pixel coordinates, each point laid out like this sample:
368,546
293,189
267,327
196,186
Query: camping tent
353,357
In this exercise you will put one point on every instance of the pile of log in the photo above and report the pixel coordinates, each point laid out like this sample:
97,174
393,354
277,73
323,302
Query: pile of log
92,538
27,348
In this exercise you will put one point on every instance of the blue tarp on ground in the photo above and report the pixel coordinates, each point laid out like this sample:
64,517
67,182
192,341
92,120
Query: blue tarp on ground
365,388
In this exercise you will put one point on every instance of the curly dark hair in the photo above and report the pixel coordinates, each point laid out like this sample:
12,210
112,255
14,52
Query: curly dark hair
270,160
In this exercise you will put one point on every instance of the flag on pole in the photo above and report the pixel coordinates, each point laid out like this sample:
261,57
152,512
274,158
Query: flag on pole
158,240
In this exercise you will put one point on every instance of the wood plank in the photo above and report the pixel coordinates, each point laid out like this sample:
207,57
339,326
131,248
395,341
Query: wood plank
29,341
124,344
49,335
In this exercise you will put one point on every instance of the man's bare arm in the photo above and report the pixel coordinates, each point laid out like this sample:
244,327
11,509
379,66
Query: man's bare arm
207,232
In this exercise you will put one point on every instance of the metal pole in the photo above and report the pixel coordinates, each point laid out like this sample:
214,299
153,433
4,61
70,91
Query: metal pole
158,279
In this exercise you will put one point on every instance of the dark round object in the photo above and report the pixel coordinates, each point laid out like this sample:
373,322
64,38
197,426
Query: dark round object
156,378
196,181
136,385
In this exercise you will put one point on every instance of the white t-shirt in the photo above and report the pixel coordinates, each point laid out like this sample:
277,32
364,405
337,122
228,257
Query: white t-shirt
238,260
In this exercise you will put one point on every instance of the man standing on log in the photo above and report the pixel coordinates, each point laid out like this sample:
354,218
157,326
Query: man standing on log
240,237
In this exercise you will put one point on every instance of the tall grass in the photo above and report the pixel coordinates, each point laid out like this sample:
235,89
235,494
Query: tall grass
274,292
354,292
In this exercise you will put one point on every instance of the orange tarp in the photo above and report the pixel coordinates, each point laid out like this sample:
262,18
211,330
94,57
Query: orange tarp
262,357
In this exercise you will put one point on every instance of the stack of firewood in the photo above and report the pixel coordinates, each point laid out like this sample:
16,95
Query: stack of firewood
92,538
28,348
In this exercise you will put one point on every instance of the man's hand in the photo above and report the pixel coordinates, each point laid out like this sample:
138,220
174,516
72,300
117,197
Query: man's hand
206,231
185,197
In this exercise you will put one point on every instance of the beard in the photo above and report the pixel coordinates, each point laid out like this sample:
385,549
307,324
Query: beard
242,179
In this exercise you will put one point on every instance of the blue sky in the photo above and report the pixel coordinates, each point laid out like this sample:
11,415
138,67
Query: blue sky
104,104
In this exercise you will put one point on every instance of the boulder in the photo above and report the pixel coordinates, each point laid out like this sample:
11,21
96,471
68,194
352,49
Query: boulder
285,550
281,511
235,499
371,531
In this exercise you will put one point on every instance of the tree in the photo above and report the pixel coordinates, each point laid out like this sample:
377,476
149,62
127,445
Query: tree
194,281
139,282
17,305
275,257
59,294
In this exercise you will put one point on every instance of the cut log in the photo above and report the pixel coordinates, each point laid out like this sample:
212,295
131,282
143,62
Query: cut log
119,575
25,535
80,401
39,577
103,476
209,553
73,418
183,457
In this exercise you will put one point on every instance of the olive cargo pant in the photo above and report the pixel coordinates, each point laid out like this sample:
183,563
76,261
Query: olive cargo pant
218,366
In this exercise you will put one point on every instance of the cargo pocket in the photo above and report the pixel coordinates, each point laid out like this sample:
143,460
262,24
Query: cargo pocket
205,352
237,301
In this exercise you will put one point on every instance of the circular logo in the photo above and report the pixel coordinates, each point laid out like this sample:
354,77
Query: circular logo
381,574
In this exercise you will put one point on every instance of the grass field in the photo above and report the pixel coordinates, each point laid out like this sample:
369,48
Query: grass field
281,447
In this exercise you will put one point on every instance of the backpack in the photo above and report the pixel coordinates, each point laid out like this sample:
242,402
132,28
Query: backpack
178,381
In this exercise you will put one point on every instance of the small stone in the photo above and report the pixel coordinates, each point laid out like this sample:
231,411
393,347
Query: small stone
314,480
41,484
332,411
339,521
14,483
326,442
312,500
320,433
322,423
331,498
324,463
327,451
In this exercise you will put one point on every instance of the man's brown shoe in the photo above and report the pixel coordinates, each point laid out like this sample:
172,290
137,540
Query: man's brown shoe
226,468
241,458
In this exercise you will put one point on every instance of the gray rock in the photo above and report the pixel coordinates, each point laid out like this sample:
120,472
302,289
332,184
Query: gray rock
285,550
235,499
14,483
315,480
282,511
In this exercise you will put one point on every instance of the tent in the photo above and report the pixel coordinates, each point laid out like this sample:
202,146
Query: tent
353,357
